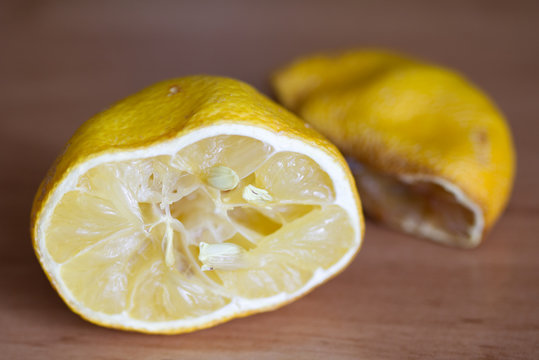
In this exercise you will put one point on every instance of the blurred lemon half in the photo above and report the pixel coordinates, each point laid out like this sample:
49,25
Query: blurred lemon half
192,202
431,154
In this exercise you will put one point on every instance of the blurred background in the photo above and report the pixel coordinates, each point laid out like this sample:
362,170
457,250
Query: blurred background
63,61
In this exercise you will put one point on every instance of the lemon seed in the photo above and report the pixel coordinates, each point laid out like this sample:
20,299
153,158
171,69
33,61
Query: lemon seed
223,256
223,178
256,195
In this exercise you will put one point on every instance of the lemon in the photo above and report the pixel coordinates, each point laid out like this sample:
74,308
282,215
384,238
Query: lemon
430,152
192,202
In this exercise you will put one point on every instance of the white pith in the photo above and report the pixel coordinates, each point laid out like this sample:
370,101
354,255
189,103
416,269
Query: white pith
430,232
412,224
343,198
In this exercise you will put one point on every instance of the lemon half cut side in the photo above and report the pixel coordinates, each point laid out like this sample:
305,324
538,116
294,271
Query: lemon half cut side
213,220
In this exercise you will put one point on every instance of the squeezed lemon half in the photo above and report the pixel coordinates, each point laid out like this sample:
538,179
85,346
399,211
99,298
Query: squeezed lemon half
218,218
431,154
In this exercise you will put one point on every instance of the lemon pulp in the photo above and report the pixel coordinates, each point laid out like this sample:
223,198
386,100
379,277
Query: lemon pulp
127,237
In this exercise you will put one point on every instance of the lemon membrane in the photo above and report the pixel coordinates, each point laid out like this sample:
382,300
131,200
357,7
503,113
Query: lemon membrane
222,225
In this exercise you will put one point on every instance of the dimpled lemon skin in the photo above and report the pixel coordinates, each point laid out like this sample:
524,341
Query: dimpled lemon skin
164,111
400,116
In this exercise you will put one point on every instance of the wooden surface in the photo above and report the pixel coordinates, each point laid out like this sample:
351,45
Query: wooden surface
402,298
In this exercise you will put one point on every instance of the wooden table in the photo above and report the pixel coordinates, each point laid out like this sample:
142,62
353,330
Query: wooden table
402,298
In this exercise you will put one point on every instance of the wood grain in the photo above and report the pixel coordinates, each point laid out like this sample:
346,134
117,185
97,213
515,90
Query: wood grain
402,298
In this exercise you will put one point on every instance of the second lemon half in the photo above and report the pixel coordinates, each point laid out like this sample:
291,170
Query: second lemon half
431,153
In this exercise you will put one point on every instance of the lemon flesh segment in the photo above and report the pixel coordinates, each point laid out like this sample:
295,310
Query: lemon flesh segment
126,239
